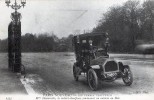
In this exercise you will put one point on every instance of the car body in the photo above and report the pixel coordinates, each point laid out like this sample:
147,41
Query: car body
92,58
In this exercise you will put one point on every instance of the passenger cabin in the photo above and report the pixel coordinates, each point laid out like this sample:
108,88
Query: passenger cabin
91,44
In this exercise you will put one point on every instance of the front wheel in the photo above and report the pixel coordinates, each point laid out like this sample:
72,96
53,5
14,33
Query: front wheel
93,79
128,76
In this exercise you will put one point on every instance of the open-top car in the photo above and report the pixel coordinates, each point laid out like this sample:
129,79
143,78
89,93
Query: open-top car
92,58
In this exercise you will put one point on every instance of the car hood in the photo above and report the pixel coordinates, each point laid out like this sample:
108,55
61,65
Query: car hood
99,61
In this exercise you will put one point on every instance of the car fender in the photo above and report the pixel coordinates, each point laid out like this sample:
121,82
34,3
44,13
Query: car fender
95,66
124,62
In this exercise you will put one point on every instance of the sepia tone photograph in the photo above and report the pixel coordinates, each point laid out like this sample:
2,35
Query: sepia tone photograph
76,49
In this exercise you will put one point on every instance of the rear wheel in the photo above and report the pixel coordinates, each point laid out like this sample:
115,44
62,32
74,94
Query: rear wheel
128,76
76,77
93,80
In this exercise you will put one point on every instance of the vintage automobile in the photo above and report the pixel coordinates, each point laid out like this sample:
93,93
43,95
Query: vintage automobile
92,59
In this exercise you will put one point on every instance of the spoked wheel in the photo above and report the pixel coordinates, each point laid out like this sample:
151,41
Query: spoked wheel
93,79
76,77
128,76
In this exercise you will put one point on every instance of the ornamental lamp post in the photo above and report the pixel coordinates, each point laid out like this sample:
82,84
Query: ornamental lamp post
14,37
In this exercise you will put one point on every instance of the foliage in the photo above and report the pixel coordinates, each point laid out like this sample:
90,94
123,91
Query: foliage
3,45
128,23
41,43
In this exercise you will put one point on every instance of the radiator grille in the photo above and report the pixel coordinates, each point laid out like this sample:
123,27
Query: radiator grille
111,66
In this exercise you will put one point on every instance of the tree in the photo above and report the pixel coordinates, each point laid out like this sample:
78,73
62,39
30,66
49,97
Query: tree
147,19
122,24
132,17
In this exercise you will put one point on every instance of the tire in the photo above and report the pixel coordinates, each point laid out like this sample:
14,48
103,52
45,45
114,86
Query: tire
76,77
93,80
128,76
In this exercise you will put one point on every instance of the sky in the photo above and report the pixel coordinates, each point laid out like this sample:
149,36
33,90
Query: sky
61,17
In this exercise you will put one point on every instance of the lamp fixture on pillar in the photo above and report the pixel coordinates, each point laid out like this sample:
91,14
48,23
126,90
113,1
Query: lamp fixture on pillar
15,6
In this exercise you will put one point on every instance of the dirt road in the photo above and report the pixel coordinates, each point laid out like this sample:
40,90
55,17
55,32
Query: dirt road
52,73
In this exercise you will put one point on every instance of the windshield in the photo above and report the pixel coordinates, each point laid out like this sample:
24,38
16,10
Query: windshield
99,51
